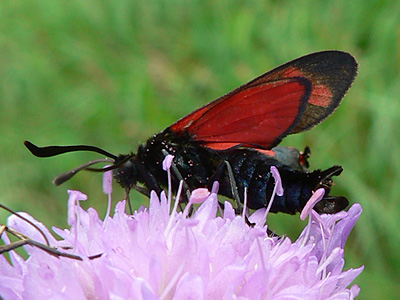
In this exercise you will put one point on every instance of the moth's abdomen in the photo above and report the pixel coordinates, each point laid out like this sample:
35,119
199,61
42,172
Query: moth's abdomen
252,170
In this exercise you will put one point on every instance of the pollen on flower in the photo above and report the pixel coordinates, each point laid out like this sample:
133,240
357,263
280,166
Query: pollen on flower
164,253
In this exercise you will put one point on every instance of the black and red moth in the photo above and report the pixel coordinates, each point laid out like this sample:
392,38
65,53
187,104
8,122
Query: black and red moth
240,130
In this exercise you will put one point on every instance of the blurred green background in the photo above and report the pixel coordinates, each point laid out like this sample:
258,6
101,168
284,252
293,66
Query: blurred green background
112,73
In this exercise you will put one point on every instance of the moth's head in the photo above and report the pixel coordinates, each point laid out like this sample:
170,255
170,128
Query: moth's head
125,171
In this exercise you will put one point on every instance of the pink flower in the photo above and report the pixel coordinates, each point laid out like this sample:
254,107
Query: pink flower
159,253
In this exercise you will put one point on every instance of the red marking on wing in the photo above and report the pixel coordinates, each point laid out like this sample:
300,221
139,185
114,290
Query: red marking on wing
321,94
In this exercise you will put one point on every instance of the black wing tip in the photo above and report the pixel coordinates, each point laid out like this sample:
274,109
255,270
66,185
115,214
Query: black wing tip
335,60
347,62
342,57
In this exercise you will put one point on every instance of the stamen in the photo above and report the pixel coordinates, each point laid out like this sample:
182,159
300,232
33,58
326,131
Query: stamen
278,189
334,254
74,210
278,181
261,253
244,203
315,198
173,213
215,187
198,196
172,282
167,162
107,189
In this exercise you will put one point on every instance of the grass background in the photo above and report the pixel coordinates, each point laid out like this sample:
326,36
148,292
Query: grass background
112,73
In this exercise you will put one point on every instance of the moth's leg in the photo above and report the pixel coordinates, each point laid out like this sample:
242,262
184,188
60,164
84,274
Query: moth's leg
149,180
140,189
219,174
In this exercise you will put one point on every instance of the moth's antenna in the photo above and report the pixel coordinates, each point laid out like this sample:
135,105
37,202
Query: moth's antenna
57,150
50,151
60,179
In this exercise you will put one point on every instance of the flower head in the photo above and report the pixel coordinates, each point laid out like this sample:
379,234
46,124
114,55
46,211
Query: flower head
159,253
